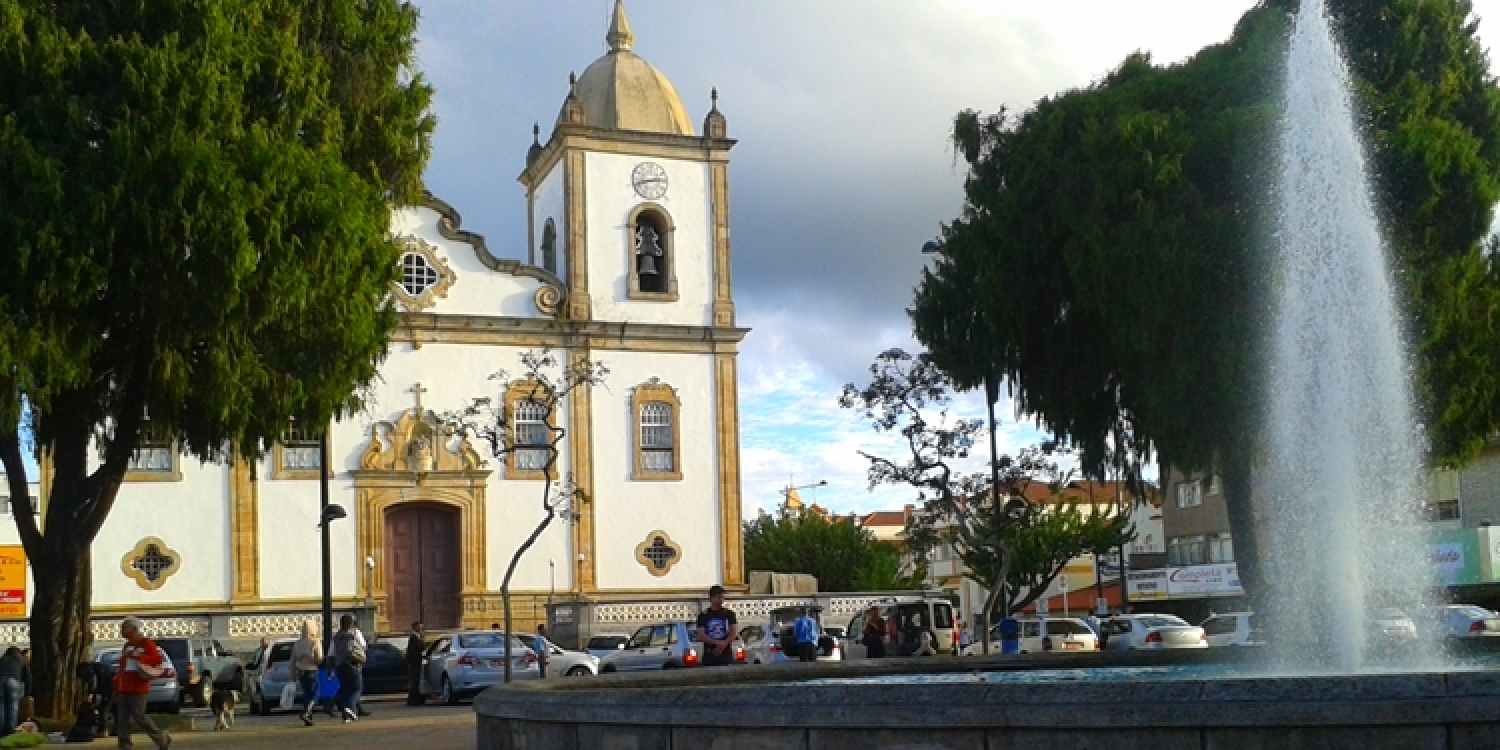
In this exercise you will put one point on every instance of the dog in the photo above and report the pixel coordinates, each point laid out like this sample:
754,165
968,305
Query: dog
222,705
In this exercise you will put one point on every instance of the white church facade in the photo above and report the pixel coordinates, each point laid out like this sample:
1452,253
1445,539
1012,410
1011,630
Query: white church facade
626,263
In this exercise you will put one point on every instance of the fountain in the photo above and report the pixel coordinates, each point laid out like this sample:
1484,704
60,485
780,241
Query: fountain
1342,469
1344,452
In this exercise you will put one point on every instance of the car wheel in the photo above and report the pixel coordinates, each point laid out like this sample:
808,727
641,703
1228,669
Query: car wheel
607,669
577,672
199,692
669,665
449,697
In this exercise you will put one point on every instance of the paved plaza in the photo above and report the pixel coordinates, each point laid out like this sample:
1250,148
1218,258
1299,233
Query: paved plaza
392,724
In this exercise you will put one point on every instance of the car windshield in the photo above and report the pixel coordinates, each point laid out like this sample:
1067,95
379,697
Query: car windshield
280,652
482,640
176,649
607,641
1068,627
1163,621
109,657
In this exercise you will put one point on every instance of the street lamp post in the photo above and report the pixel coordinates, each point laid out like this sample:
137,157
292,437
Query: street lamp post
551,580
327,513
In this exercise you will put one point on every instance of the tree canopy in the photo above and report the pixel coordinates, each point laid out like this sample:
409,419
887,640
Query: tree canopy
194,204
842,555
1108,259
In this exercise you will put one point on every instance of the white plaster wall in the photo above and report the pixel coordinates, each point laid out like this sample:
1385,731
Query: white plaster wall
191,517
626,510
453,375
550,202
477,290
290,543
610,245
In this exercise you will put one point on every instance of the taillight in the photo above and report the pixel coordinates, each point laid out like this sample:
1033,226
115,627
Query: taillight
1153,637
1047,644
690,658
1476,626
1202,635
775,648
1097,645
468,661
739,654
837,645
190,669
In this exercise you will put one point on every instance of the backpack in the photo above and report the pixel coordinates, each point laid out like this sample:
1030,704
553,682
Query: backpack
350,652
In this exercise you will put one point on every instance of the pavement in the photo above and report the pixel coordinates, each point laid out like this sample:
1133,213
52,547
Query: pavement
392,724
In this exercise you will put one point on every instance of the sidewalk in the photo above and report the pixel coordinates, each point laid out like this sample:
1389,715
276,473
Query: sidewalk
392,725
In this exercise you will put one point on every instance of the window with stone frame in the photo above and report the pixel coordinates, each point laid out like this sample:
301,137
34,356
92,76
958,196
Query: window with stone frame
658,432
155,458
658,553
531,424
151,563
298,454
653,262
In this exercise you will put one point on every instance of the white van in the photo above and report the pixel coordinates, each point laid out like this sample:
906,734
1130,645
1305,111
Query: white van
925,625
1056,635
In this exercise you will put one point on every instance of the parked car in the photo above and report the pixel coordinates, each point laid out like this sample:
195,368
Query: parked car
384,672
564,663
668,645
1233,629
922,620
777,642
1462,621
204,664
1045,635
165,694
1389,625
1127,632
461,665
604,644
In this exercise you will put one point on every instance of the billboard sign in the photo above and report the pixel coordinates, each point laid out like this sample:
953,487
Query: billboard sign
1143,585
1220,579
12,581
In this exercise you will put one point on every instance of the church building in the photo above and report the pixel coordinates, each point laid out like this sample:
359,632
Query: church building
626,262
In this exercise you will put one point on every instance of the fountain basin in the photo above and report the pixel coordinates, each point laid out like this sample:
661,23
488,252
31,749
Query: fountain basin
964,704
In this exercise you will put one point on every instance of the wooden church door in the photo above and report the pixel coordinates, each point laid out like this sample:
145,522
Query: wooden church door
424,576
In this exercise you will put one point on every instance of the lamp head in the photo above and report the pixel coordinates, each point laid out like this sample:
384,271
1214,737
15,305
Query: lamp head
332,513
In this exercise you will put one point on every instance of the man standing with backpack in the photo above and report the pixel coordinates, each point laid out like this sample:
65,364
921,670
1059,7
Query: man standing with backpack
348,656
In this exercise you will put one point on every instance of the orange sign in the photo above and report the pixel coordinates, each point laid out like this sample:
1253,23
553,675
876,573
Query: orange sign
12,580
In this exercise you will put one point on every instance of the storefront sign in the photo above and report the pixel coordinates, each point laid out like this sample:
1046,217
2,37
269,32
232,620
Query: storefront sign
1454,556
1205,580
1147,584
12,581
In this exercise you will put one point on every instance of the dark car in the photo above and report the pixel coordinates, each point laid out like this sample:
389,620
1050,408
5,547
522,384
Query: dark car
385,669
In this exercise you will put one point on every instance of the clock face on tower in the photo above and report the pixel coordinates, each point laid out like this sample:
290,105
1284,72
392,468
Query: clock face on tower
649,180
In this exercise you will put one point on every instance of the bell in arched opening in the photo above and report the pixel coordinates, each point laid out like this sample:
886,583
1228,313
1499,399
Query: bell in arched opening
649,258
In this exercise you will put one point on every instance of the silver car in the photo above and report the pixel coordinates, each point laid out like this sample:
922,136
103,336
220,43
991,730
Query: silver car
668,645
777,643
564,663
604,644
268,676
461,665
165,693
1130,632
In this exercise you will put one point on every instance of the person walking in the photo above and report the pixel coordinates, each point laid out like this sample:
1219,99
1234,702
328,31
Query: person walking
874,635
348,656
12,689
416,648
541,648
805,628
140,662
307,656
717,629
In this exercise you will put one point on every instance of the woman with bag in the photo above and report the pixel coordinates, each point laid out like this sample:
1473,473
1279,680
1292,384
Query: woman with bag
307,656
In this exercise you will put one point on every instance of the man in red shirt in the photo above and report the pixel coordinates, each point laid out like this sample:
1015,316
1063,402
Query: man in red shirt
140,662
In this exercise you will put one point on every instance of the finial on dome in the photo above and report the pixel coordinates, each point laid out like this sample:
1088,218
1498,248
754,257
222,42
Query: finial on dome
619,36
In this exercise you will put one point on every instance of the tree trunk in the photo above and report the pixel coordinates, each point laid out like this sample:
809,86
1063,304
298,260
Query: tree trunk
60,625
1238,490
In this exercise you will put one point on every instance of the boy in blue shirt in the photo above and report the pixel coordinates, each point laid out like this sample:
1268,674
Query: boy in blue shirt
806,631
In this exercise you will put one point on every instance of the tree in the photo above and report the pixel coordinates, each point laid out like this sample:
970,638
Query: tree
901,389
1042,537
1110,243
194,201
490,420
842,555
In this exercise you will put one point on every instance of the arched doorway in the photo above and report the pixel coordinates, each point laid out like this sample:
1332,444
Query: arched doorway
423,572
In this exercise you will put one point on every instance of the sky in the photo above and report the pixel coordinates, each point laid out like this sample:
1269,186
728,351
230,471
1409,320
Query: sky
842,110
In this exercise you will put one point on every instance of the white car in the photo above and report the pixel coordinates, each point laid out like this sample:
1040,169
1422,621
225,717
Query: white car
1233,629
1389,624
1054,635
1129,632
775,643
1463,621
564,663
604,644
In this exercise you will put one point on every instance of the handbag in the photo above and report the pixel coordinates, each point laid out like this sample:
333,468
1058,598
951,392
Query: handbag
288,696
328,684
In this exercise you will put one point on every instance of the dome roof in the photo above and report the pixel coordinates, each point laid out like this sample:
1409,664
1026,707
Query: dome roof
621,91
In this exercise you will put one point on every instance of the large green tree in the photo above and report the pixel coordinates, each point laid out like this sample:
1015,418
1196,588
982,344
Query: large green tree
194,202
842,555
1108,262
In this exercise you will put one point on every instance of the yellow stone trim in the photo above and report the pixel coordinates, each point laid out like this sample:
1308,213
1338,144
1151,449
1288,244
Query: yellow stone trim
731,540
655,390
280,472
439,290
575,195
541,332
244,532
127,563
668,258
515,393
567,138
651,541
581,451
723,295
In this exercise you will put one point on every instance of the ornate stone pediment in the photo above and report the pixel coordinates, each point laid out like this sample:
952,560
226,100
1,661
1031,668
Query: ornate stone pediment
417,442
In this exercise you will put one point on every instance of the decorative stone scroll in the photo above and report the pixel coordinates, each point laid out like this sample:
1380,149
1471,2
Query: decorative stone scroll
418,442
